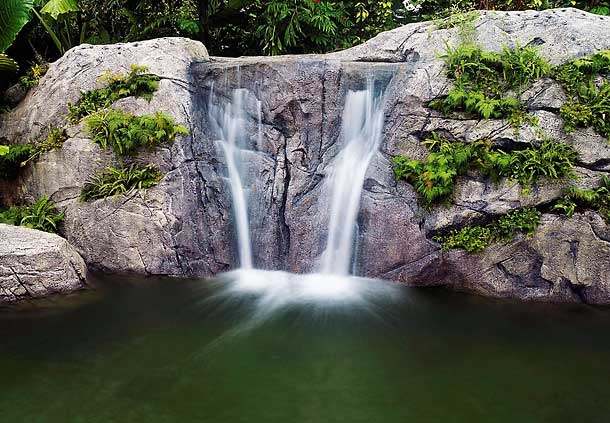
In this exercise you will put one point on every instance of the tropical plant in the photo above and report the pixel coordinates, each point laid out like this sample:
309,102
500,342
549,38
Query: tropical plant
114,181
42,215
14,14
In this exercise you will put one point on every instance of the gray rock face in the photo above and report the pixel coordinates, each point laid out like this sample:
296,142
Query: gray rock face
36,264
184,226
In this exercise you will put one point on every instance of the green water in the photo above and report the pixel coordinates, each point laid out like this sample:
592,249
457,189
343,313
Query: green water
170,351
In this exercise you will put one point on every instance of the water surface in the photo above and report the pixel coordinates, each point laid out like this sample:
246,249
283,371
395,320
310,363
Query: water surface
182,351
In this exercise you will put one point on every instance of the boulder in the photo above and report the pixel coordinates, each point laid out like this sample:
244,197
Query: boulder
35,264
293,110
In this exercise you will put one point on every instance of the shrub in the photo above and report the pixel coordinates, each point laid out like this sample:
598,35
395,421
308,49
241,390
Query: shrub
586,82
476,238
41,215
483,80
137,83
116,181
126,133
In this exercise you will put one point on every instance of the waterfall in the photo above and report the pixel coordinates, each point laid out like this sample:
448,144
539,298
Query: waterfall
228,121
362,125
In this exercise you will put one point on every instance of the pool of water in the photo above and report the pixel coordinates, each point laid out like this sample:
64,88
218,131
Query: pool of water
200,351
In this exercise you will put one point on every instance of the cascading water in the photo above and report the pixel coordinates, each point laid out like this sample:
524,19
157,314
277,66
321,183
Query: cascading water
229,123
362,126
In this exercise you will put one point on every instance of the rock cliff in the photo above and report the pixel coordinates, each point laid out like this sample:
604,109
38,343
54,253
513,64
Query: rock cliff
183,226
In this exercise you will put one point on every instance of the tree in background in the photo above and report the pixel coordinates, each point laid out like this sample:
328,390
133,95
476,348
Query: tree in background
42,30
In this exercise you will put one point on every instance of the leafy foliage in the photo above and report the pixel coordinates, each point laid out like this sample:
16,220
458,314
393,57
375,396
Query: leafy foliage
283,24
434,177
597,199
474,239
14,14
548,159
41,215
12,157
7,65
57,8
126,133
116,181
483,79
137,83
586,81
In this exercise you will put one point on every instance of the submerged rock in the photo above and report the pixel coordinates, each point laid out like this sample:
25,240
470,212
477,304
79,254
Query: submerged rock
183,226
35,264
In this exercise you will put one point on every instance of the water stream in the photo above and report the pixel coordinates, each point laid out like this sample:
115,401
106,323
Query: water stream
362,125
228,121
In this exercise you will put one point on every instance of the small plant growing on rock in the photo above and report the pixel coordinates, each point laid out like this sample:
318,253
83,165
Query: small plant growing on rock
126,133
597,199
483,79
137,83
477,238
434,178
114,181
586,82
42,215
547,159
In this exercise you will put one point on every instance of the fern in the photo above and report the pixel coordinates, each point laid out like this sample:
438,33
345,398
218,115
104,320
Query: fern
126,133
597,199
434,177
586,81
483,79
476,238
114,181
